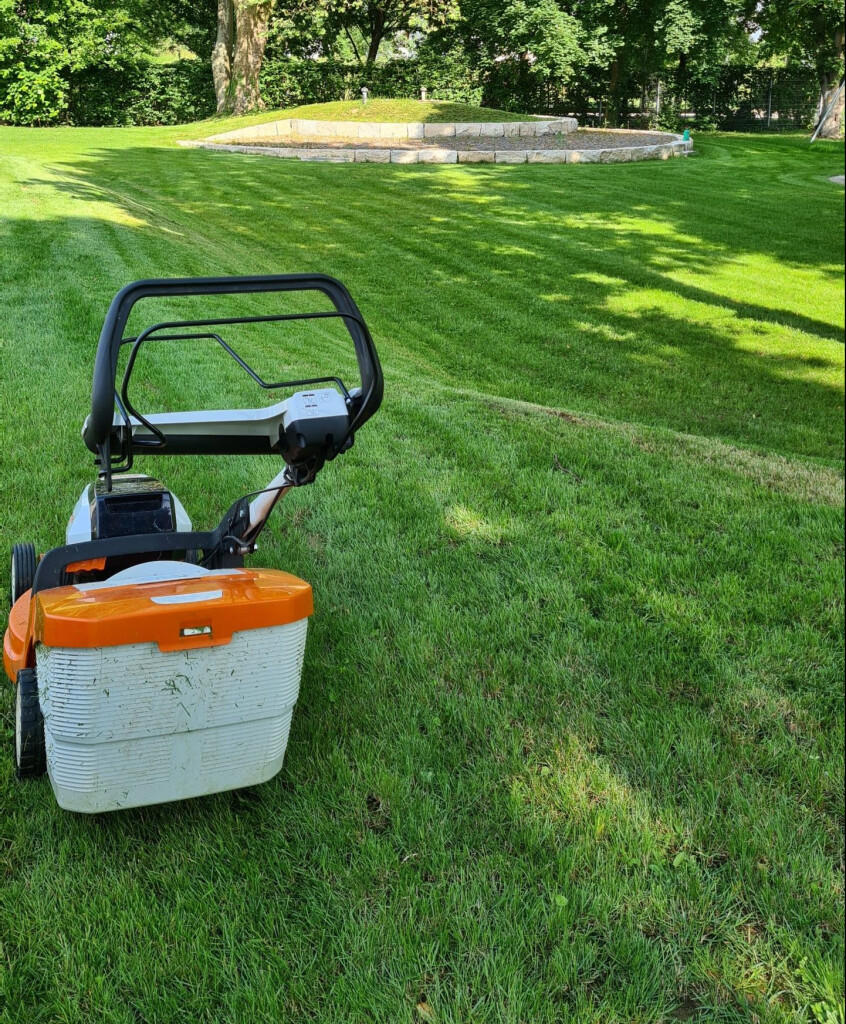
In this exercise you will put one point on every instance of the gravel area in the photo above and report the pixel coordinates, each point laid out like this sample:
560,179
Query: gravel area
584,138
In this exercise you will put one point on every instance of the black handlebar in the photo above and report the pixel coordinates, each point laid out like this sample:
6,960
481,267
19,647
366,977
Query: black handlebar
98,426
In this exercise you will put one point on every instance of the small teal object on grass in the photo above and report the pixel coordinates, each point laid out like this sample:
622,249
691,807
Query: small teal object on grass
686,135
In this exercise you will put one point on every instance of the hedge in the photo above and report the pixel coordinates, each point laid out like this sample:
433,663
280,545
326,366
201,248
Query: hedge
129,93
143,93
291,82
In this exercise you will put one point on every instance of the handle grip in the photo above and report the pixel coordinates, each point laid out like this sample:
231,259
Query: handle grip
98,424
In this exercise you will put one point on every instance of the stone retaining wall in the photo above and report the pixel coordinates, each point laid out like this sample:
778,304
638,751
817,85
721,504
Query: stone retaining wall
675,146
295,126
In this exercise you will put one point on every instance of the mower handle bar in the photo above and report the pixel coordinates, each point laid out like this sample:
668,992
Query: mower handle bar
98,425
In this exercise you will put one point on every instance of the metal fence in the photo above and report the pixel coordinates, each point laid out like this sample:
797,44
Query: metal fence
740,98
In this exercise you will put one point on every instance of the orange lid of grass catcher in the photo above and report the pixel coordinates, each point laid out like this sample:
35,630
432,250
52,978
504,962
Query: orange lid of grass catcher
203,610
16,646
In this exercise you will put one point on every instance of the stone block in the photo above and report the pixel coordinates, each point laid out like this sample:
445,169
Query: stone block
404,156
491,129
617,155
372,156
368,130
438,131
548,156
394,131
584,156
264,131
322,129
476,156
435,155
416,130
473,130
328,156
511,156
345,130
510,129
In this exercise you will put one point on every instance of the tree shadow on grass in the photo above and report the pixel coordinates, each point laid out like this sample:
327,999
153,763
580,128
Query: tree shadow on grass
585,701
536,758
573,287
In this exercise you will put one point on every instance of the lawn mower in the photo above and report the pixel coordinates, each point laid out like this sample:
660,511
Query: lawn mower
150,663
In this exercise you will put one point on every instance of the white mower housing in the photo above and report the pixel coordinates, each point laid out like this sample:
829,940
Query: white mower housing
197,699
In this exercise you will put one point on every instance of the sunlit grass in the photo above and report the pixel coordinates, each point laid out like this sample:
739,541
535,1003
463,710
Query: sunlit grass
399,110
570,741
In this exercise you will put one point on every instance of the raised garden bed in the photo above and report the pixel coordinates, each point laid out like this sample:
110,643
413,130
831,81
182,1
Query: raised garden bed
556,140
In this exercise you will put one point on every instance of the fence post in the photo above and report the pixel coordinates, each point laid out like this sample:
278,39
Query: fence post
770,103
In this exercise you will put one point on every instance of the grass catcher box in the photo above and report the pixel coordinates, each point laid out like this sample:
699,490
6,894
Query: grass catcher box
168,681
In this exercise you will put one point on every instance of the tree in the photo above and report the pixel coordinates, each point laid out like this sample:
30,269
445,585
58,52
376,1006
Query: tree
43,44
188,23
629,44
366,24
238,53
811,31
538,32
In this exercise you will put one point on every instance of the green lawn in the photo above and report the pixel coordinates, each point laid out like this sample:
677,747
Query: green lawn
570,740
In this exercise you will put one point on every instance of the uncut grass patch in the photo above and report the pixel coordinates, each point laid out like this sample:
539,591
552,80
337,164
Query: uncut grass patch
570,740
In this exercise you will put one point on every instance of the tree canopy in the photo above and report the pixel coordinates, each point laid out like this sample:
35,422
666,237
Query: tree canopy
618,47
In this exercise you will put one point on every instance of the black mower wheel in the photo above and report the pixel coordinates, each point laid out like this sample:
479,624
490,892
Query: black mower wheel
23,570
30,758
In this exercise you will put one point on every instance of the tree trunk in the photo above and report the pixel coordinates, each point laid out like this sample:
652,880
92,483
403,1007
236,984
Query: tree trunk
614,99
829,86
377,34
251,22
222,53
829,89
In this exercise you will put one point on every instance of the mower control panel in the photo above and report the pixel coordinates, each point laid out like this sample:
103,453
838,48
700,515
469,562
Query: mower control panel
313,423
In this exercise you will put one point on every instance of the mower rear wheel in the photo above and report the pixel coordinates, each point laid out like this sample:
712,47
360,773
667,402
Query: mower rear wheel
30,757
23,570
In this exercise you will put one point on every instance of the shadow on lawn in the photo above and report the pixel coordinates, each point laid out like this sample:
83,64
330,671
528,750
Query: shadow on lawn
597,814
580,271
516,752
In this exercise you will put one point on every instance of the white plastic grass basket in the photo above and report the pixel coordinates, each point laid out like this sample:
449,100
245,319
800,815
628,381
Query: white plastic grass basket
132,724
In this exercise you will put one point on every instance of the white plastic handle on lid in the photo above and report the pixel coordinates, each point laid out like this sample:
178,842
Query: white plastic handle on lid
204,595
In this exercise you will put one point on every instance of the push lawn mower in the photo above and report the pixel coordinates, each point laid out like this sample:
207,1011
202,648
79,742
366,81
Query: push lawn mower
150,664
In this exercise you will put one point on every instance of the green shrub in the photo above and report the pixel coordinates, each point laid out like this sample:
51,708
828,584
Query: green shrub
142,93
292,81
138,92
34,96
130,92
